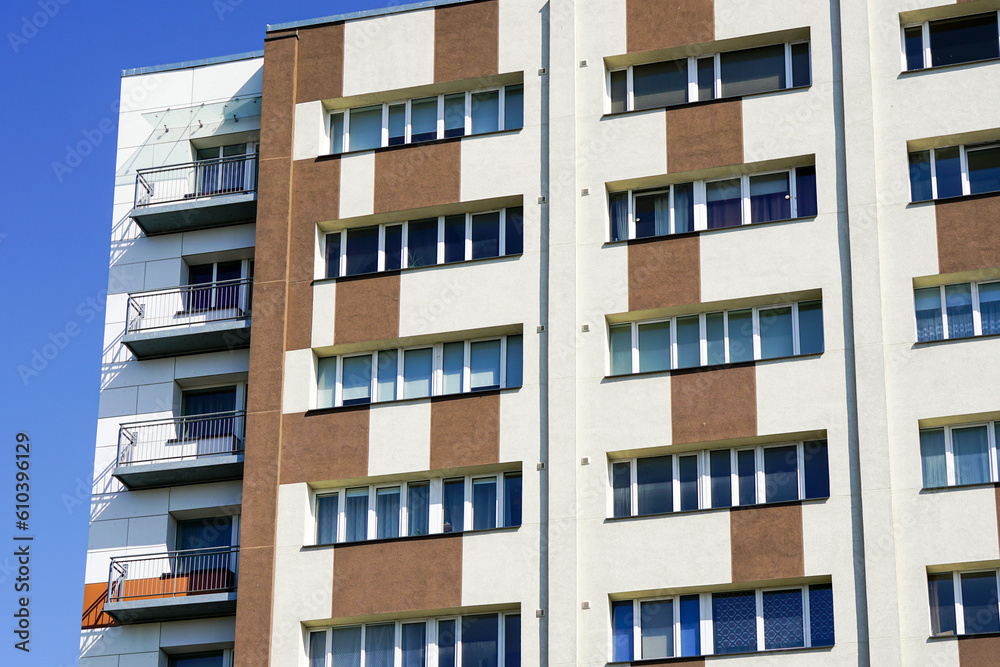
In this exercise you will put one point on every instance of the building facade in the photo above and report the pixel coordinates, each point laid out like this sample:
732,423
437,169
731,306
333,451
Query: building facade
580,332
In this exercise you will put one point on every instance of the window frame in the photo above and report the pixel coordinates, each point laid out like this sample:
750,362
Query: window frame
956,577
977,318
949,454
925,38
963,152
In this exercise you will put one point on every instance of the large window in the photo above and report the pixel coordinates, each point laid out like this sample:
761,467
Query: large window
964,603
709,339
427,118
480,640
703,205
954,171
700,78
959,455
951,41
420,371
720,478
444,239
423,507
733,622
969,309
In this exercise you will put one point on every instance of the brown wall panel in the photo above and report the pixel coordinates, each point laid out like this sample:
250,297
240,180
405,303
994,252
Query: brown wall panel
367,309
271,235
316,194
418,175
267,345
664,273
260,479
94,598
713,404
705,136
253,607
278,97
299,325
396,577
466,41
967,235
766,542
465,430
320,74
979,651
663,24
324,446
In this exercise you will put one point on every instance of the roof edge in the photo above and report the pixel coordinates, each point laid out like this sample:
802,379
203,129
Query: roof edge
381,11
192,63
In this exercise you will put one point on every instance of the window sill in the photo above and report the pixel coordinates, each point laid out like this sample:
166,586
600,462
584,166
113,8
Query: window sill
945,341
682,660
701,369
409,269
951,66
944,638
686,105
409,538
444,140
699,232
434,399
978,195
958,487
706,510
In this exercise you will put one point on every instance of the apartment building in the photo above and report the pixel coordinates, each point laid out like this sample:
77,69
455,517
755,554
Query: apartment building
481,333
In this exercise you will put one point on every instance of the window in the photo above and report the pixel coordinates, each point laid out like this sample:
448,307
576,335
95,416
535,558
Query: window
408,245
698,79
714,478
951,41
223,287
970,309
209,413
954,171
717,204
735,622
480,640
959,455
427,119
732,336
420,372
964,603
223,169
423,507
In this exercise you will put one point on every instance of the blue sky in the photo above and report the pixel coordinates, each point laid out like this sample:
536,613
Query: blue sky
61,64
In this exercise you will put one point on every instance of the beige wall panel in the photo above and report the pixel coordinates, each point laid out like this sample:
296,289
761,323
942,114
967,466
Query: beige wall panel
796,122
916,650
501,567
357,185
910,242
311,136
496,165
639,407
324,313
631,146
604,285
389,52
738,18
801,394
303,590
520,28
399,438
519,418
299,382
826,530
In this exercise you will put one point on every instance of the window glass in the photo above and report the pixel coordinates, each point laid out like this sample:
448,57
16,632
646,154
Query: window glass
972,455
453,502
418,496
356,514
618,204
486,112
512,640
800,64
413,644
654,346
486,235
770,198
380,644
687,477
621,349
659,84
720,465
948,172
454,238
740,335
783,619
454,115
941,589
811,327
317,649
515,361
775,333
817,469
619,91
805,191
337,132
724,203
387,373
984,169
327,385
706,79
362,250
513,107
746,465
920,176
781,476
333,255
734,617
688,342
357,380
366,128
423,119
512,499
387,512
418,367
913,45
989,307
621,483
652,215
484,363
715,330
656,623
928,306
654,481
958,300
484,503
347,647
446,643
683,208
421,242
514,232
453,363
393,247
480,640
397,124
979,602
752,71
327,512
821,628
622,629
933,458
964,39
690,625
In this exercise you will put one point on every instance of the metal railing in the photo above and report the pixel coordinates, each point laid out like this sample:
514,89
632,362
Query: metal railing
189,305
192,180
173,574
182,438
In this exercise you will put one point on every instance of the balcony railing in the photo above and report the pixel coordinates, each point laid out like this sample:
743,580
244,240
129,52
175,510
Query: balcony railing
195,180
189,305
181,439
173,574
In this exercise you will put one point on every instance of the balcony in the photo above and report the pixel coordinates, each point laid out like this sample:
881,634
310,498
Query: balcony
191,319
196,583
185,450
196,195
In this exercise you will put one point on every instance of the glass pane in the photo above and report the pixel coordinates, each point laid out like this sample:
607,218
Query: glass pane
480,640
706,79
654,477
484,363
948,172
821,614
715,329
621,483
776,333
746,466
752,71
347,647
446,643
941,588
623,631
979,602
964,40
397,124
920,176
913,44
659,84
380,644
421,243
734,616
811,327
784,625
453,363
740,335
928,307
512,640
356,514
989,307
933,458
366,128
486,112
333,255
656,621
484,503
387,374
317,649
393,247
515,361
800,64
414,644
514,231
454,115
618,211
690,625
387,512
418,367
720,470
512,499
683,208
454,238
327,510
958,299
652,215
972,455
486,235
781,474
418,497
724,203
327,385
984,169
654,347
770,198
357,379
423,119
687,477
817,469
805,191
619,91
337,133
453,502
513,107
688,342
621,349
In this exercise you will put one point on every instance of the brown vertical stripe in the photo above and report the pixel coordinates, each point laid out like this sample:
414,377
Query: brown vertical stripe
705,136
326,446
253,608
466,41
766,542
367,309
664,273
465,430
316,193
94,598
278,96
320,63
267,346
298,328
664,24
967,237
260,480
397,577
713,404
273,188
418,175
979,651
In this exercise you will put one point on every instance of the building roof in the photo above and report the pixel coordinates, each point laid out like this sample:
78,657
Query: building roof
192,63
381,11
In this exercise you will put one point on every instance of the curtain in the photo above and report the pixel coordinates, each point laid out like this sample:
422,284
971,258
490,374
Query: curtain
418,365
805,191
317,649
418,508
387,512
941,590
621,481
486,112
453,367
687,472
688,342
776,333
388,368
454,505
347,647
781,474
515,360
821,630
928,306
327,382
740,335
746,466
357,380
753,71
683,208
657,629
484,504
783,619
327,511
356,514
446,644
480,640
972,455
958,300
512,499
734,618
621,349
720,464
380,645
989,307
486,235
654,347
484,360
932,458
414,644
724,204
715,330
654,482
619,216
769,198
661,214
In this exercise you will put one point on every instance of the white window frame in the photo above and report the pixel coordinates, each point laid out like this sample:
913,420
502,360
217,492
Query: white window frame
956,578
963,156
925,34
977,317
949,452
